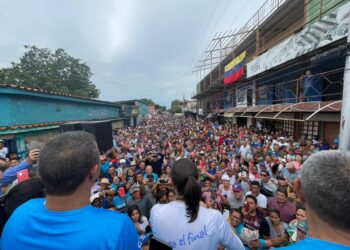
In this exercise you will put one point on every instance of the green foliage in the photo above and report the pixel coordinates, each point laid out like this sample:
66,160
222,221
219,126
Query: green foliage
176,106
52,71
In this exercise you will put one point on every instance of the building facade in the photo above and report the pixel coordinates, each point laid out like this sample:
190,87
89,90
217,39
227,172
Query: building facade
293,79
134,111
29,117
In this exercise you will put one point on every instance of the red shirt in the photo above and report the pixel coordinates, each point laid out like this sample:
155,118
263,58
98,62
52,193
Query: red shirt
287,210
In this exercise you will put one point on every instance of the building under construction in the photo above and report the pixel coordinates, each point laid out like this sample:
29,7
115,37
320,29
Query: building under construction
293,69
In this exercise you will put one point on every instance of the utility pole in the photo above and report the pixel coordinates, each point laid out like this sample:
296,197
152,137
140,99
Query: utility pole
344,137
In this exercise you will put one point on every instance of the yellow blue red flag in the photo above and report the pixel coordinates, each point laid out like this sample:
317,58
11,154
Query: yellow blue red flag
235,69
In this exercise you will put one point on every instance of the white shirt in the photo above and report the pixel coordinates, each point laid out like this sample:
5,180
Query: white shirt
3,152
170,224
262,200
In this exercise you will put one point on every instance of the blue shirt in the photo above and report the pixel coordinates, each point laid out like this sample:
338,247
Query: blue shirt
312,243
11,174
33,226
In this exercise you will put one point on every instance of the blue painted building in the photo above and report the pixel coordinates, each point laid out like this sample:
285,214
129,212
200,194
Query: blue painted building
134,111
29,116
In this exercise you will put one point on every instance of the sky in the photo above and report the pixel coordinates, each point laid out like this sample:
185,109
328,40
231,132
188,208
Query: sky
135,48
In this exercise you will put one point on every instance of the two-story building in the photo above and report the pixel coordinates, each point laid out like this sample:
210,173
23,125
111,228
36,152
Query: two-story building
134,111
293,80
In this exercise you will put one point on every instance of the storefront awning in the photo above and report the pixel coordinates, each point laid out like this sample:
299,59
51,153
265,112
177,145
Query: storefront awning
228,115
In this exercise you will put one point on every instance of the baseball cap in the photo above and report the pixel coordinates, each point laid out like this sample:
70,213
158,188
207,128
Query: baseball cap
237,187
134,188
94,196
122,161
225,177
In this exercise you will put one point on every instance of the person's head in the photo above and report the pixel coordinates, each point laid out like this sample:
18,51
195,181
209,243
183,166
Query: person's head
225,179
130,173
161,196
207,182
252,202
268,159
237,191
301,214
142,165
291,167
134,213
236,217
229,172
104,184
213,164
325,177
275,216
168,170
139,178
135,192
112,171
149,169
68,161
255,188
265,176
116,180
95,200
281,195
171,196
184,178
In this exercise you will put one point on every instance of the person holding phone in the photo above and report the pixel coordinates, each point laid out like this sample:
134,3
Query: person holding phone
183,223
10,174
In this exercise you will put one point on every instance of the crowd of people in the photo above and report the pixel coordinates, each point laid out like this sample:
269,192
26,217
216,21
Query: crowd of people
247,184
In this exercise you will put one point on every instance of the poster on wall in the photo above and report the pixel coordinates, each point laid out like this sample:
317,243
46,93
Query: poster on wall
328,29
241,97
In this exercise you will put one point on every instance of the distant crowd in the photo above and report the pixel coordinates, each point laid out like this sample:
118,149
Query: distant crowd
251,176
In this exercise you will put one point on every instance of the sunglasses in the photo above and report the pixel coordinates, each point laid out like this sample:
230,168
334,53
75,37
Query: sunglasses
263,175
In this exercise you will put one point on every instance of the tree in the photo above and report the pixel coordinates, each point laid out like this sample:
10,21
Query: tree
176,106
52,71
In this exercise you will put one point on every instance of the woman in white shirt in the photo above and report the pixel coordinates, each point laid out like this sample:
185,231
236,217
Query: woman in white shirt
183,223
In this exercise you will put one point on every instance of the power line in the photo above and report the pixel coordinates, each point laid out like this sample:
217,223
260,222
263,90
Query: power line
203,34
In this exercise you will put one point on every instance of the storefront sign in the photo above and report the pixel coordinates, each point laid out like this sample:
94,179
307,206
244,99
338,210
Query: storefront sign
329,29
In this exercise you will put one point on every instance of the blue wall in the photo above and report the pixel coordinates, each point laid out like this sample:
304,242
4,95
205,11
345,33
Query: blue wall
20,109
143,108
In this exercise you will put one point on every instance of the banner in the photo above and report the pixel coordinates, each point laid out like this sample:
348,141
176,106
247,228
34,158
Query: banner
329,29
235,69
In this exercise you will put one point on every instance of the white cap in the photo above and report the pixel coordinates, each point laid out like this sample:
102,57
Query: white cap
225,177
122,161
94,196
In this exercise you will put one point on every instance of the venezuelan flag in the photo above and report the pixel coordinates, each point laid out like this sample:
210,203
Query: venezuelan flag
235,69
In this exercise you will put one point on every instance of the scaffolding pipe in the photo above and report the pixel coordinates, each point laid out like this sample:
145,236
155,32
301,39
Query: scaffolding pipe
344,138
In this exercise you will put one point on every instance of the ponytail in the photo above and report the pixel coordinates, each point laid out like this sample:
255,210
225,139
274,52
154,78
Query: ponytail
184,176
192,196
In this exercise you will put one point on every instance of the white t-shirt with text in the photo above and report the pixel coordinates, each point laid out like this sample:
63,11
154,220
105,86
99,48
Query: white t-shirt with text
170,224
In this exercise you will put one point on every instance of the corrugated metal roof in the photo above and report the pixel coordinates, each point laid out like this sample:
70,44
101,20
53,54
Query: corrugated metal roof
29,126
41,91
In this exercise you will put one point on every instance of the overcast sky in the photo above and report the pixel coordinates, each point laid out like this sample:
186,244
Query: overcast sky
135,48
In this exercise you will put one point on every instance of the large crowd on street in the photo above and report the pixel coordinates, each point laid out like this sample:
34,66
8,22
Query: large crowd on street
192,184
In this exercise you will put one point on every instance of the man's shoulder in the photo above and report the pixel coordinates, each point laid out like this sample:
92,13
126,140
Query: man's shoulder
312,243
